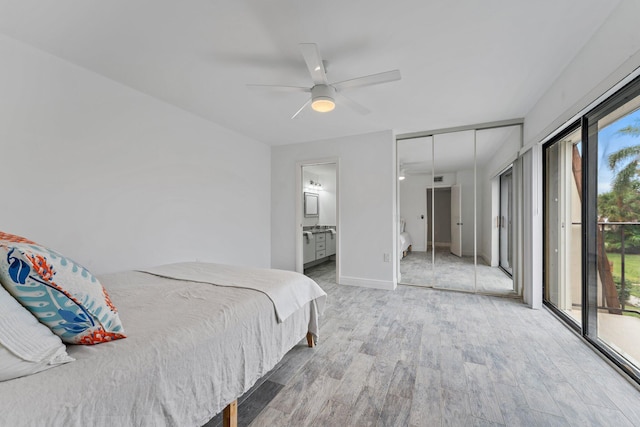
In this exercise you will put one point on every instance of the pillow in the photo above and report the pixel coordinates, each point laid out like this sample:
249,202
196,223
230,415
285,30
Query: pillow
13,238
62,294
26,345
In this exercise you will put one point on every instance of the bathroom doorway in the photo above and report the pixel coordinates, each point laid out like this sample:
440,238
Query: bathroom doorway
317,218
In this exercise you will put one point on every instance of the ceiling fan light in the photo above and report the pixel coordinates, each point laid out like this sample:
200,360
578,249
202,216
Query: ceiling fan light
322,98
323,104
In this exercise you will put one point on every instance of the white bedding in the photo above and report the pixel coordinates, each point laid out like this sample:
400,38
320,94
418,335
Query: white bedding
288,290
192,348
405,241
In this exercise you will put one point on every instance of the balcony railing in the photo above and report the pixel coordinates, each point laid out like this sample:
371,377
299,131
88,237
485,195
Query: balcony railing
620,228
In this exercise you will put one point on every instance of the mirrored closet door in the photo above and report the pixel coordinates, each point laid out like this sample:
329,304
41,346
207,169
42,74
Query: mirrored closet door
453,207
415,176
455,212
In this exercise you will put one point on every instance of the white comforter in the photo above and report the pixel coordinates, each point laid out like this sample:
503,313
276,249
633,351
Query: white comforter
191,349
405,241
288,290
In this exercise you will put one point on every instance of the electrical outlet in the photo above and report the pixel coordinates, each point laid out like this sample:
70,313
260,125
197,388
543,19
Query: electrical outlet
385,257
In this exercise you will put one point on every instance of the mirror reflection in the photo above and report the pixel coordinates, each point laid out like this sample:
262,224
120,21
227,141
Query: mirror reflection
456,204
453,196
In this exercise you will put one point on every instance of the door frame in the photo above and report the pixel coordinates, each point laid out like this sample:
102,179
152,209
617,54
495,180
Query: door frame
429,226
509,228
299,211
456,188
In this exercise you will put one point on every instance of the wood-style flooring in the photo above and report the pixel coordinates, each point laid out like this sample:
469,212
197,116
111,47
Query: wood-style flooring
425,357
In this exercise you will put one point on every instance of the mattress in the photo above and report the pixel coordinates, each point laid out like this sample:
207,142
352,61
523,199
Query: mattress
191,349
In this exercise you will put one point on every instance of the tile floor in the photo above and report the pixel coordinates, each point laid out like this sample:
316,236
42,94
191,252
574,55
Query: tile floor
425,357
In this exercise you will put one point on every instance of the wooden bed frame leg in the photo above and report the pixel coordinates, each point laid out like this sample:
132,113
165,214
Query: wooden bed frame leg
230,415
310,341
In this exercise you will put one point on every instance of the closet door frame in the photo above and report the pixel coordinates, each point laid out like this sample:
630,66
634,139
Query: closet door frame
517,277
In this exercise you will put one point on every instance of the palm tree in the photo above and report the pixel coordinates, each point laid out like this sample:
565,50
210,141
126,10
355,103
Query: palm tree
625,187
626,162
628,172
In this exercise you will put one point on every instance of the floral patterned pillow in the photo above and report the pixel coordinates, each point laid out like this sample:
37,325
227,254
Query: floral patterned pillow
59,292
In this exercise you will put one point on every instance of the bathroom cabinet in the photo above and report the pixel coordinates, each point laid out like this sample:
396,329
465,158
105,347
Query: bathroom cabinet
330,241
309,249
322,246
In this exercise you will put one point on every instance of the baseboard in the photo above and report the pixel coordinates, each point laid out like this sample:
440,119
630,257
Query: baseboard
368,283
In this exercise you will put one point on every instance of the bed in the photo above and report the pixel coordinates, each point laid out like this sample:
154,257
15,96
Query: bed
404,240
192,348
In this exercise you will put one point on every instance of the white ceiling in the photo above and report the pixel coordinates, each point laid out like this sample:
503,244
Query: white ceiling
462,62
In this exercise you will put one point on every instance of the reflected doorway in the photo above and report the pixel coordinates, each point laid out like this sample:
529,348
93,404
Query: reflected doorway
440,234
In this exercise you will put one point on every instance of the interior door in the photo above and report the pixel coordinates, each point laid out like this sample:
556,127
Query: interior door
456,220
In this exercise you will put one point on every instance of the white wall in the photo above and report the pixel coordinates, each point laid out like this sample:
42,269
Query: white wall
118,180
611,54
328,198
366,192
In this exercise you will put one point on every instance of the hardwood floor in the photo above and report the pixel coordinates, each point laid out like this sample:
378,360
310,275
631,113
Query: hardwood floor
424,357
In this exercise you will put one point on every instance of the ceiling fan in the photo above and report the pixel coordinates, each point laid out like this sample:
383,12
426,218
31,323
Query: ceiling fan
324,94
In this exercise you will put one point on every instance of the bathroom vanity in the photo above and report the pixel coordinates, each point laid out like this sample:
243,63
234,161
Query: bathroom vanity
319,245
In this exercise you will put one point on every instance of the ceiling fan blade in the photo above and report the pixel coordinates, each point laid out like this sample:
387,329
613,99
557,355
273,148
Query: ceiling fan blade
374,79
301,108
314,63
279,88
352,104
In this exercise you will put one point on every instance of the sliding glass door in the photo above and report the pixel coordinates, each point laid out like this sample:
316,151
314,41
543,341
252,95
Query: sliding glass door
615,130
592,227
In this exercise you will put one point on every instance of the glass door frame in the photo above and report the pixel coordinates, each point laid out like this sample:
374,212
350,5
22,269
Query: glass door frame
588,123
547,146
590,187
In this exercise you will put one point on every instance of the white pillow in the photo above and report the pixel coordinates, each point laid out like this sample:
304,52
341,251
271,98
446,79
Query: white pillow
26,345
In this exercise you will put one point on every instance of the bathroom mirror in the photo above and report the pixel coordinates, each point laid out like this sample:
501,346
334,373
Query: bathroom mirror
311,205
